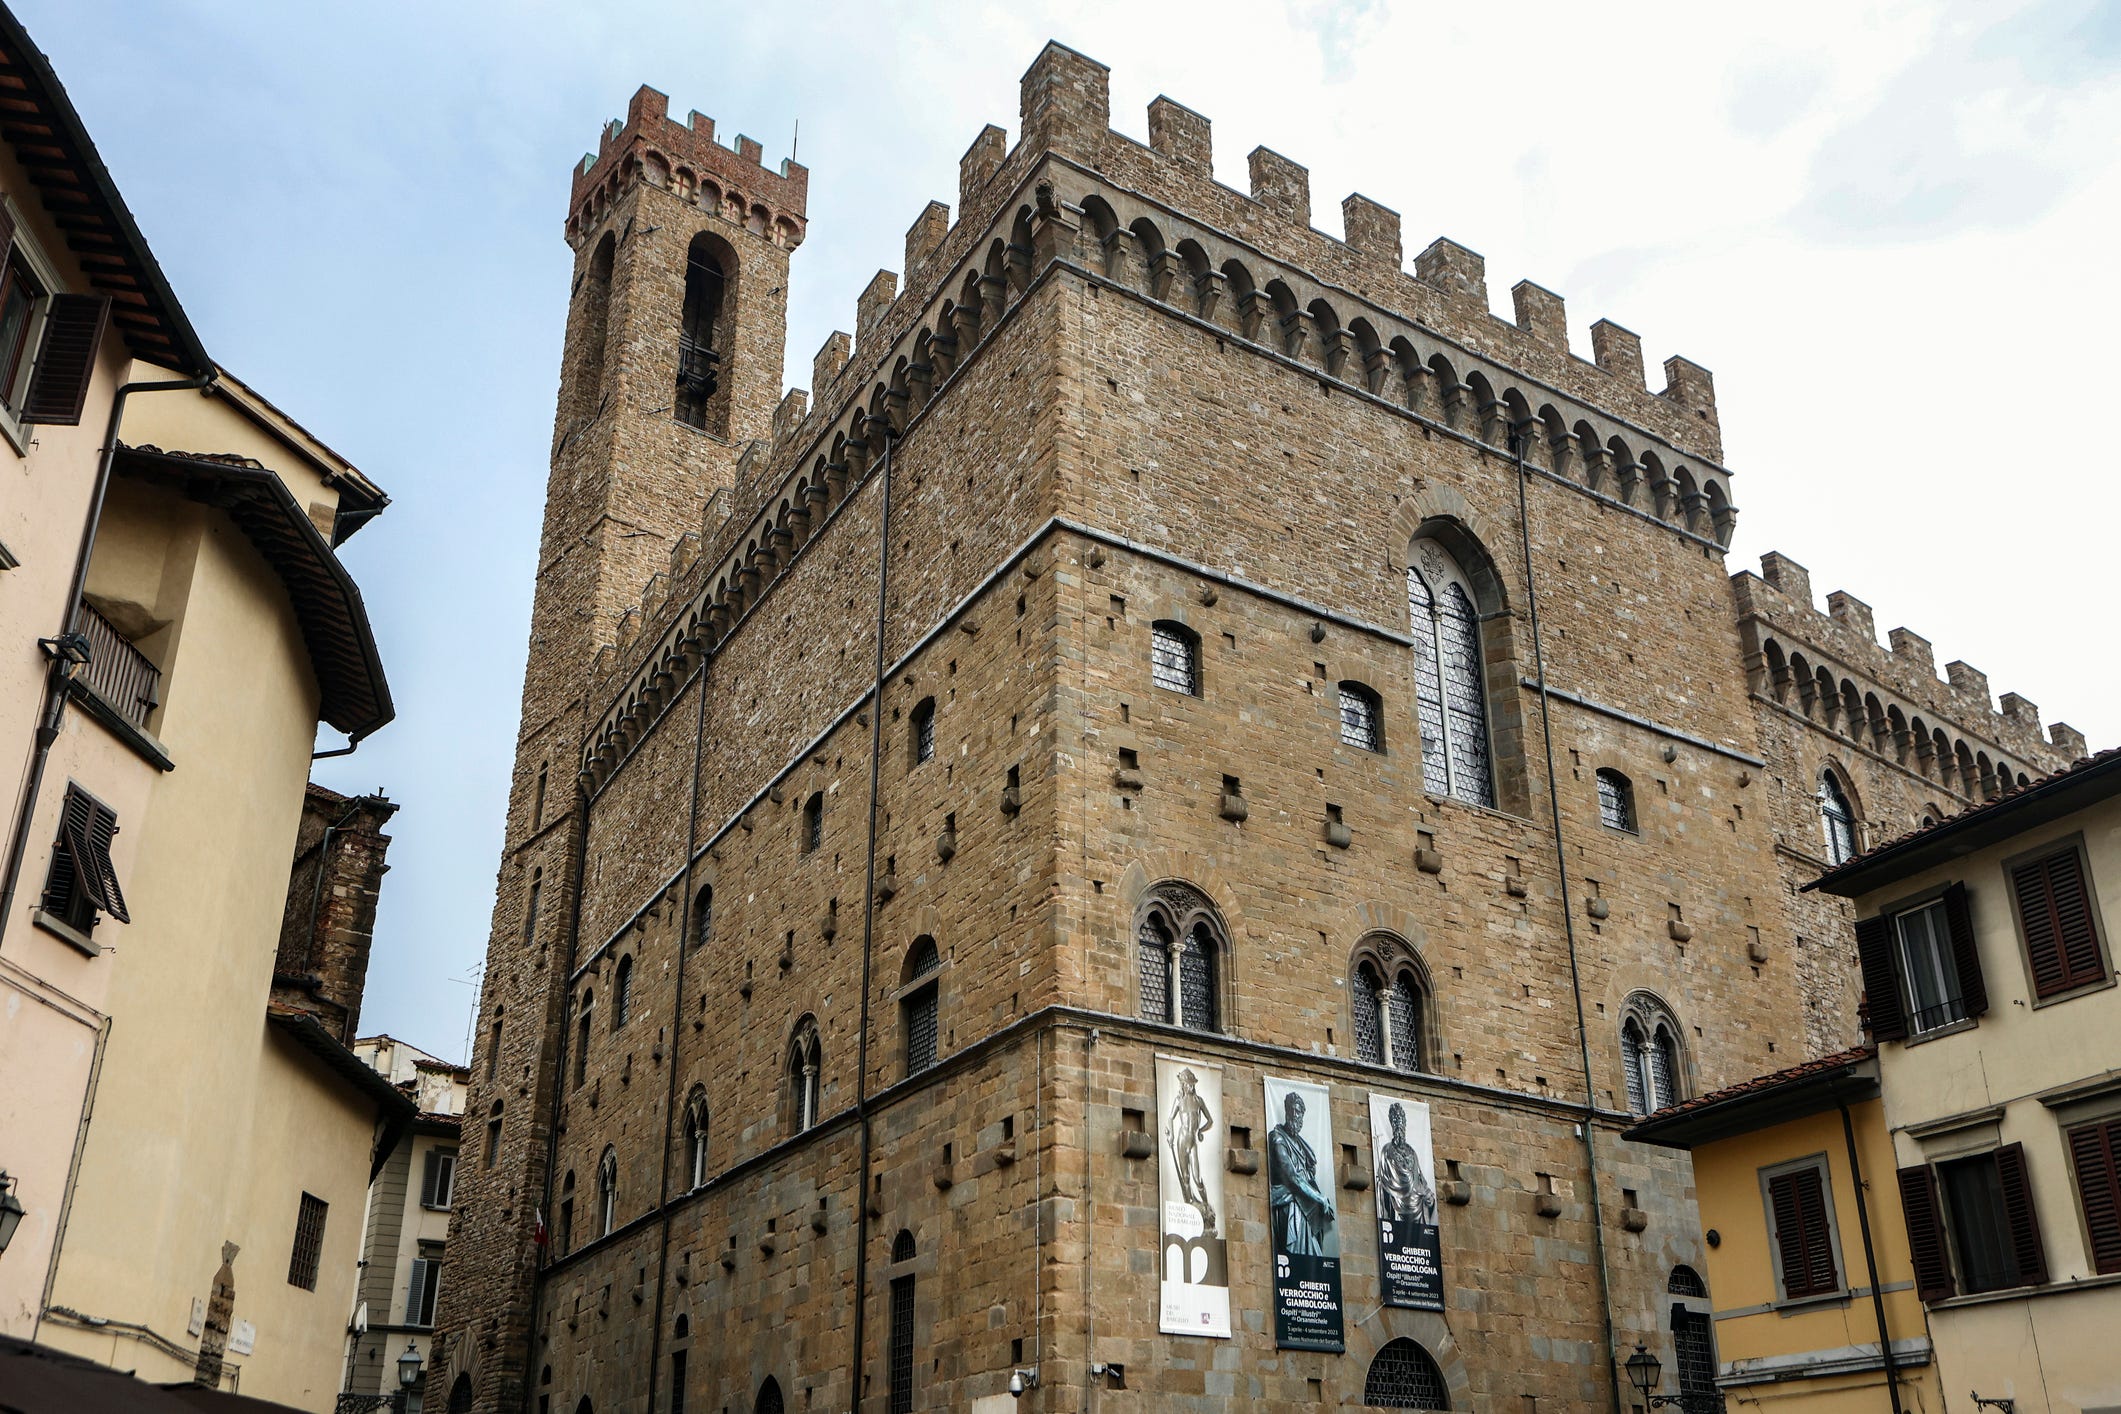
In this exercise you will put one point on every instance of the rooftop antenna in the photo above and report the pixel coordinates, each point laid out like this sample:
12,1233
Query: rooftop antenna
796,141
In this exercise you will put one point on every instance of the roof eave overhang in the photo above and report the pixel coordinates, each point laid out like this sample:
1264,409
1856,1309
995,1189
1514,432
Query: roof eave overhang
1754,1110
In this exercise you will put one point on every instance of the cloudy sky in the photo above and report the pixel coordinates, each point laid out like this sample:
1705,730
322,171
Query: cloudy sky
1887,227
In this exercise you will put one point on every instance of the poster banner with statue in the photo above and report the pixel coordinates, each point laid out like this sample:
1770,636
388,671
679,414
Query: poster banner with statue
1194,1295
1403,1161
1302,1217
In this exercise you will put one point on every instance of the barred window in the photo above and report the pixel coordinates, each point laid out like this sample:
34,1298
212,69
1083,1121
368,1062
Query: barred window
1616,801
1404,1376
1174,658
919,1006
813,822
309,1243
1154,944
1361,718
1403,1023
1367,1002
1837,819
1196,980
923,732
902,1297
1450,678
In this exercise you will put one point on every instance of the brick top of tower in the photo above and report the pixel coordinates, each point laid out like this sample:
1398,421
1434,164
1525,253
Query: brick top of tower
689,154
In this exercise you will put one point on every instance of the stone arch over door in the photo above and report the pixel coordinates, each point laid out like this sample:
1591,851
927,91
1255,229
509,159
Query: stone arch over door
1427,1329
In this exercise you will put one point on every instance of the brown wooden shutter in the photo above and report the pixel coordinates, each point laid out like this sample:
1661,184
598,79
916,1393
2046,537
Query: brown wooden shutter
1966,956
2018,1211
66,359
63,882
2060,942
98,876
1801,1234
1925,1234
2095,1152
1881,980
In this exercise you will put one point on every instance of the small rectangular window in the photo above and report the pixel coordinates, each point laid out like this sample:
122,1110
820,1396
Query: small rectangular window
814,822
2055,920
1360,725
421,1291
1801,1230
309,1243
82,880
438,1186
2095,1154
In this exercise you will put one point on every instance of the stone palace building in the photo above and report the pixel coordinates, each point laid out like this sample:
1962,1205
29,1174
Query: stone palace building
1163,629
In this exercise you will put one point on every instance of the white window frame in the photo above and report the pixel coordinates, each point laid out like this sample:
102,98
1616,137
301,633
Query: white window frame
33,335
1942,968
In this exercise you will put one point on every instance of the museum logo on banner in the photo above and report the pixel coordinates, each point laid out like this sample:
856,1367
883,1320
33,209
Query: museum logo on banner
1403,1160
1194,1295
1303,1220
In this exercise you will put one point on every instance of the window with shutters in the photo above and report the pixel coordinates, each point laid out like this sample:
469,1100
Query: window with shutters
1174,658
1180,947
919,1003
1616,801
1934,997
2058,922
1921,967
2095,1157
82,883
1362,718
1995,1237
438,1184
425,1285
1450,676
921,731
309,1243
1800,1222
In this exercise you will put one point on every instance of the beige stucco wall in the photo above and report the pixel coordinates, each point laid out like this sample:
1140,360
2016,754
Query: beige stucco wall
2053,1350
1741,1273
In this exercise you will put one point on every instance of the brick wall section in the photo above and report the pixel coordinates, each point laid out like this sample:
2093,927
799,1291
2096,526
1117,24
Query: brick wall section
329,923
1121,392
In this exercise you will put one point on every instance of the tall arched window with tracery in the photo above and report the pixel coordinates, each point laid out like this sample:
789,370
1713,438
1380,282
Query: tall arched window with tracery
1652,1057
1389,999
1180,944
1837,819
805,1063
1450,677
607,1193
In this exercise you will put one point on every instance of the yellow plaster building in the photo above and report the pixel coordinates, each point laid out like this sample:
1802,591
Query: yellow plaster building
184,1126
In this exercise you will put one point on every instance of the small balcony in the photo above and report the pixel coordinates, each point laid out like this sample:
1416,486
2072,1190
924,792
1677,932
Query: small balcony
124,677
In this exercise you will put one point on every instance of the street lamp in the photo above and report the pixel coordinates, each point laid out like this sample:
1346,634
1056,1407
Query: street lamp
409,1367
1644,1372
10,1210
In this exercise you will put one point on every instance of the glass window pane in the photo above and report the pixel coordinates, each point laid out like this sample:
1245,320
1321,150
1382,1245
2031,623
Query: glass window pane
1973,1201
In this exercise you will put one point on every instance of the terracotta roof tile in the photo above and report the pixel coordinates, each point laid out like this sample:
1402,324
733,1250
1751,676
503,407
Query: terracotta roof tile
1770,1081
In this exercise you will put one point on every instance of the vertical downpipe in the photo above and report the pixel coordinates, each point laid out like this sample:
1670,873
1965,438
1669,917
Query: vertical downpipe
1518,435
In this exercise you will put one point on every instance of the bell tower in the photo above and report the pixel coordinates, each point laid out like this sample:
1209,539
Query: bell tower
671,367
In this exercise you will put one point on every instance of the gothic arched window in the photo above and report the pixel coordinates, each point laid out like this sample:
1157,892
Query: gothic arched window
769,1400
805,1061
902,1332
607,1193
919,1003
696,1135
1651,1057
922,733
581,1040
1837,819
1404,1376
1389,1000
1180,947
563,1237
1450,677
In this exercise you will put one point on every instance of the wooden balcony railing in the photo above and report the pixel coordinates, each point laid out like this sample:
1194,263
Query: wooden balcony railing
121,674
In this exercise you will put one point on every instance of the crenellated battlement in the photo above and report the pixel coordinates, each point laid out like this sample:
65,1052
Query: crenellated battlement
688,160
1831,667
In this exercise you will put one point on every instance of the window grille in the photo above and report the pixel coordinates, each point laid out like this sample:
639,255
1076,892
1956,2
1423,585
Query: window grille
309,1243
703,916
1664,1068
1174,659
20,294
1404,1015
1631,1064
924,731
1155,946
1694,1347
1837,819
1450,680
1359,718
903,1246
1616,802
1404,1376
921,1010
607,1193
902,1345
622,994
1685,1281
1196,980
814,822
1367,1002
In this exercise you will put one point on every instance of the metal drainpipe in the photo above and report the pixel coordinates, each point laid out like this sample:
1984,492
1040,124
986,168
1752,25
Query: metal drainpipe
1870,1257
861,1083
57,673
1519,434
677,1009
